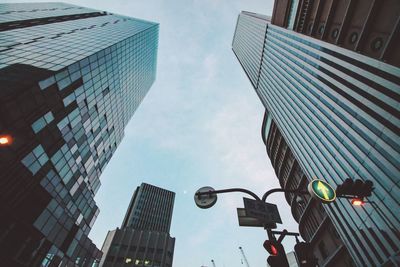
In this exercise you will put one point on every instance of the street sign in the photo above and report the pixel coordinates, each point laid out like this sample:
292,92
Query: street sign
205,201
267,213
322,190
245,220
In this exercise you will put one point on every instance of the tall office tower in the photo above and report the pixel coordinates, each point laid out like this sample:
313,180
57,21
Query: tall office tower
144,238
315,225
70,80
336,109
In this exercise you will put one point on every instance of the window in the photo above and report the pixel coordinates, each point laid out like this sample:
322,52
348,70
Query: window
40,123
35,160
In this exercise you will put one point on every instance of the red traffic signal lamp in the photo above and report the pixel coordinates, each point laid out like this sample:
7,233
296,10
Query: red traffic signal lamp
357,202
277,253
271,247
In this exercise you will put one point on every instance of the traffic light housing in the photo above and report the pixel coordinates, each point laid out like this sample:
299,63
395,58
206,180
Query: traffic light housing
277,253
304,255
357,188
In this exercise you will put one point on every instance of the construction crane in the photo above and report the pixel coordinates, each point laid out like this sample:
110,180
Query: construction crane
244,257
213,263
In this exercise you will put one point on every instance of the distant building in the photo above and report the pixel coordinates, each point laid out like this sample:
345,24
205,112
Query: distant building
144,238
327,73
291,257
70,80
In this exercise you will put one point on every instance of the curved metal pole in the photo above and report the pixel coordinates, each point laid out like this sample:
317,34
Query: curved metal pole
230,190
269,192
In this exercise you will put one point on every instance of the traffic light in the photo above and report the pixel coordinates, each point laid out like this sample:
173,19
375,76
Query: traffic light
277,253
357,188
304,255
357,202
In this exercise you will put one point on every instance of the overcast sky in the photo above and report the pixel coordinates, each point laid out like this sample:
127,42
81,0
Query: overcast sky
200,124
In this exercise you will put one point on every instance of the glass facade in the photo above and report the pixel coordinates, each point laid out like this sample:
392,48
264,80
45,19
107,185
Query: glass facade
71,78
339,113
150,209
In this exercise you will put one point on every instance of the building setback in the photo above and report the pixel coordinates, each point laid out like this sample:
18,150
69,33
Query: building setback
144,238
70,80
336,109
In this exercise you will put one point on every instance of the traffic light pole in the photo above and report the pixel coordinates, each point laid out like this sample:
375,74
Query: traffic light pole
242,190
275,190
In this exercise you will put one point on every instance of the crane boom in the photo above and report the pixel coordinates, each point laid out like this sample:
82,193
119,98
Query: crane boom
244,257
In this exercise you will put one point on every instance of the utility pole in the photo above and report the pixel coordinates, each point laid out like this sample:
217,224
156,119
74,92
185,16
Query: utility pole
244,257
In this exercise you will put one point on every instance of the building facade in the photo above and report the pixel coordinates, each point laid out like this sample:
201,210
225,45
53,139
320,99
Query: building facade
150,209
71,78
338,112
144,238
315,226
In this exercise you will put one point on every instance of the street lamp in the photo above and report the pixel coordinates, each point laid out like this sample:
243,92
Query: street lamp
5,140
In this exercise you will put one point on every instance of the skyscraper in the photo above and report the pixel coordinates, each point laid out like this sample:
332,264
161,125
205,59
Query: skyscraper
315,225
336,109
70,80
144,238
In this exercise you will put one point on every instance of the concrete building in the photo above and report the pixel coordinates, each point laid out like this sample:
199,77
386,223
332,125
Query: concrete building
332,95
70,80
144,238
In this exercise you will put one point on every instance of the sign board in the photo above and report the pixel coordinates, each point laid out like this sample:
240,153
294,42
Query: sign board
245,220
266,212
322,190
205,201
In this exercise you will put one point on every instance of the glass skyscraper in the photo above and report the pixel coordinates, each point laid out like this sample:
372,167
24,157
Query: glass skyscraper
338,112
144,238
70,80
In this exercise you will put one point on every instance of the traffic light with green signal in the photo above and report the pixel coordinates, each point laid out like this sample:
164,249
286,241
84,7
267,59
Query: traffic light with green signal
277,253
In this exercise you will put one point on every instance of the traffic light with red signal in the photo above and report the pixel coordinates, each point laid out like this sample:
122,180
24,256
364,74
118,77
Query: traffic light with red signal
357,189
277,253
304,255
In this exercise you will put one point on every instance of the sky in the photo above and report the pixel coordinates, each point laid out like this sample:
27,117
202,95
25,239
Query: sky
199,125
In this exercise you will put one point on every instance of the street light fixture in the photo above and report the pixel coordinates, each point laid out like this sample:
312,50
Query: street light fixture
207,200
5,140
